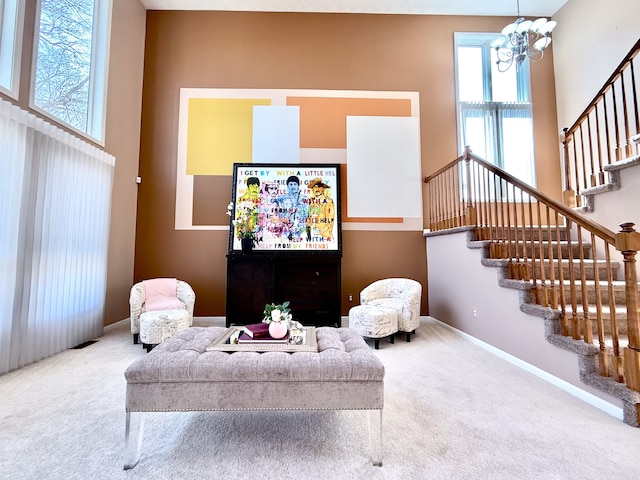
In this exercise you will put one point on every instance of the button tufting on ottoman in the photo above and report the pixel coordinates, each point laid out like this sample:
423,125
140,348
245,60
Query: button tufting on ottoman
374,322
158,325
182,375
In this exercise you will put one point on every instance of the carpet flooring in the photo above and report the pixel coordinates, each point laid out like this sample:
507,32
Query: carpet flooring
452,411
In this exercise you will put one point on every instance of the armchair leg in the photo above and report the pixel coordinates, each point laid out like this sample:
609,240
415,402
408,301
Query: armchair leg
376,344
136,337
408,336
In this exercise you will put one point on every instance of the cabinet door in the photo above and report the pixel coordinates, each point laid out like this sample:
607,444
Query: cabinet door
249,289
313,288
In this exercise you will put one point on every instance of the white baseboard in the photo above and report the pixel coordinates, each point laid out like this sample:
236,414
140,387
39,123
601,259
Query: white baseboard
583,395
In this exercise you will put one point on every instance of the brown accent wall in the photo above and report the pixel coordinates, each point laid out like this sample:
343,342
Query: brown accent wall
122,139
305,51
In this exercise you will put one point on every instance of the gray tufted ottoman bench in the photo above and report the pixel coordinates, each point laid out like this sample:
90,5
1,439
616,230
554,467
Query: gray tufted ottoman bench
181,375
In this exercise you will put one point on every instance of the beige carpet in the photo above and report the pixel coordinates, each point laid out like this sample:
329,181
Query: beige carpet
452,411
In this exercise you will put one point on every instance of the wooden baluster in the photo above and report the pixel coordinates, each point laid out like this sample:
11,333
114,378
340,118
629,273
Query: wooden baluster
564,327
525,273
432,204
587,327
447,198
544,297
552,268
476,194
503,248
568,194
606,128
635,99
599,316
441,198
470,213
532,255
617,360
628,242
511,247
436,204
615,122
575,324
625,117
599,146
592,177
489,203
455,196
578,187
441,202
477,199
495,235
583,160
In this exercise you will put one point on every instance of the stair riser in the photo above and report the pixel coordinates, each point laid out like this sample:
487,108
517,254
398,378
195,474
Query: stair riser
513,233
621,321
588,269
618,295
529,251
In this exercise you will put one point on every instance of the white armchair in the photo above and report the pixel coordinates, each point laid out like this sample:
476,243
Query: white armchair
403,295
185,298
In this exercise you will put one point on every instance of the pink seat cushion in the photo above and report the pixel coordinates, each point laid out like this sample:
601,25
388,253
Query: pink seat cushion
160,294
162,302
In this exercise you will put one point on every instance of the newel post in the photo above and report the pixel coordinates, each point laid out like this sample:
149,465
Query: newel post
470,214
628,242
568,194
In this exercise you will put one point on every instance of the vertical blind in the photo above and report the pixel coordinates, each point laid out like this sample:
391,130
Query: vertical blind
55,201
501,133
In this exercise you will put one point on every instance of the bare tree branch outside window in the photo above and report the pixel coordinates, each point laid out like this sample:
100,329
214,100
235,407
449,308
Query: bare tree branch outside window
63,67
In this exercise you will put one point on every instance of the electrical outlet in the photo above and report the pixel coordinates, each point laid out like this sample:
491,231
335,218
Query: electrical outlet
475,312
350,298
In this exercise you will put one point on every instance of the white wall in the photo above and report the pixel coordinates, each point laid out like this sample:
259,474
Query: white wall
591,39
459,283
608,209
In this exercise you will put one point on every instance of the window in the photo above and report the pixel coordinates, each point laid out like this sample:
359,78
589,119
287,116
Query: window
494,108
71,59
11,13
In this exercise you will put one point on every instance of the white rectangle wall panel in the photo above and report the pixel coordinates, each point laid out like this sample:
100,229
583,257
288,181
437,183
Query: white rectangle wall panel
383,167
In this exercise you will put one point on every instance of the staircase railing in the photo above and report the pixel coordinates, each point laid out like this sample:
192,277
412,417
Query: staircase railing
568,261
602,134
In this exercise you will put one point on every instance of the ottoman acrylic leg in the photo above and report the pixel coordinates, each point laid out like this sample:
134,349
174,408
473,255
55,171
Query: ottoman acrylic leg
375,436
131,451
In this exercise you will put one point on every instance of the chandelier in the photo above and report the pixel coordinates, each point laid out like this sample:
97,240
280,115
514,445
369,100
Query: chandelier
522,39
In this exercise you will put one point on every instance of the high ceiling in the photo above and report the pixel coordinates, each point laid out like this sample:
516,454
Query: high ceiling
528,8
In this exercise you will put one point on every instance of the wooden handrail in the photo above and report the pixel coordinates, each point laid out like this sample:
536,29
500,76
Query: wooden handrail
632,53
584,222
585,167
565,260
443,169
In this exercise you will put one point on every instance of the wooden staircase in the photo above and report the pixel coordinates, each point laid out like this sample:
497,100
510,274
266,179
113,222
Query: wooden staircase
574,272
574,328
569,269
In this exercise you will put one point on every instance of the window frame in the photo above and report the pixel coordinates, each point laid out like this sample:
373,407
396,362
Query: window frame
11,16
523,92
98,77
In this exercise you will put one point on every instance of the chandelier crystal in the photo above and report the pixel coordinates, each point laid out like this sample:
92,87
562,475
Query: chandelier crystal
522,39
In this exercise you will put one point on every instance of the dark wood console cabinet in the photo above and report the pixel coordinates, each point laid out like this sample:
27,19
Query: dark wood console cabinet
310,282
